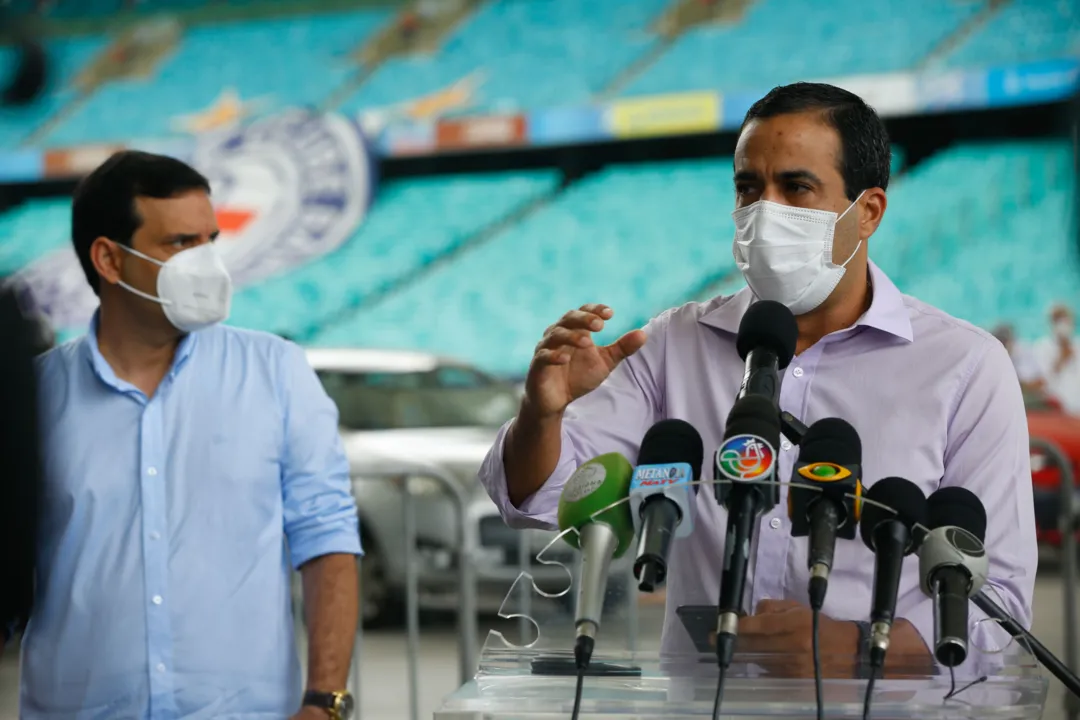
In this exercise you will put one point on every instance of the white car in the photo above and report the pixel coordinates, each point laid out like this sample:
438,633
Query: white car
417,408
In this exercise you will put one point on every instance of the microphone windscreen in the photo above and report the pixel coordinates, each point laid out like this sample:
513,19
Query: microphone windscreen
673,441
754,415
957,506
768,324
831,440
590,494
906,501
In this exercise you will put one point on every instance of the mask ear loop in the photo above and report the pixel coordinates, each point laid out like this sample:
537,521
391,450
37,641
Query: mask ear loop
841,217
140,293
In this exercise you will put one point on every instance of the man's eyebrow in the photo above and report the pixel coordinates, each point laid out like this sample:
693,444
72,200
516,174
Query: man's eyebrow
181,237
746,176
799,174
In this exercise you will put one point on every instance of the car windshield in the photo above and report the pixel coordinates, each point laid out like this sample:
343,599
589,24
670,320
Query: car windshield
447,396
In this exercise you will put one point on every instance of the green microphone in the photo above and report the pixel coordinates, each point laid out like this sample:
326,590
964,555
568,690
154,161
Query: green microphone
594,487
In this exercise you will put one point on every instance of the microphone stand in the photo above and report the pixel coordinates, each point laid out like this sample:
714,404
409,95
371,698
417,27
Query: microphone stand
1029,642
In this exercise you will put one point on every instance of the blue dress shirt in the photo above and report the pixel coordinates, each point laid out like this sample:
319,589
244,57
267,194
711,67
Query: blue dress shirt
169,526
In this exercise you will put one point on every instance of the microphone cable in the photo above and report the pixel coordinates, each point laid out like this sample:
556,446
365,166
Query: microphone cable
718,700
583,650
869,693
580,687
816,645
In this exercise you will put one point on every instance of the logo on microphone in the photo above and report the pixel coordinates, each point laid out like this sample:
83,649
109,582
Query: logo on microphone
660,475
745,457
824,472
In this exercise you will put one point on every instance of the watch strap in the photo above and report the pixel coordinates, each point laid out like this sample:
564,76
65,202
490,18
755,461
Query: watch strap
336,704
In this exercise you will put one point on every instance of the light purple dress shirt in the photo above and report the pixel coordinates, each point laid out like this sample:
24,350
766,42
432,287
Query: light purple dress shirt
934,399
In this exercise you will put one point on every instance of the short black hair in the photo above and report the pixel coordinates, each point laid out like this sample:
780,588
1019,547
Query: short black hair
866,156
104,201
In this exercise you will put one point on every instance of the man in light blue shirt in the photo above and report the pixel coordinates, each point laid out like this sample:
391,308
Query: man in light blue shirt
187,466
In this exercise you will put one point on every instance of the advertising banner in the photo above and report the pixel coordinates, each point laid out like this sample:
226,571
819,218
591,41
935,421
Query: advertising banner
678,114
492,131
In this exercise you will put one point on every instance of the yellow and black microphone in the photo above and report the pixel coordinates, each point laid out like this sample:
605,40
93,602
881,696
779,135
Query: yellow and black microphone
825,496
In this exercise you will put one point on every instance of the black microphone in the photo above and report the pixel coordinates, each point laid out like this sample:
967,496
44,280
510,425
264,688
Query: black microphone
953,566
824,499
662,495
747,461
766,343
891,535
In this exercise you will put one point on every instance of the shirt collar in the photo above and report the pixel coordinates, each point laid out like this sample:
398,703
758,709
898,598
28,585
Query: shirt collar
887,311
104,371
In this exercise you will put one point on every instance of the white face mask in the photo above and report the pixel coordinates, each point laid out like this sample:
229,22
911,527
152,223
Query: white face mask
785,253
1063,329
193,287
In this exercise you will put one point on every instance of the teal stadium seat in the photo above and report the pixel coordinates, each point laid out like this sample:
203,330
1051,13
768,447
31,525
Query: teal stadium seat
32,230
68,56
1022,31
281,62
781,41
639,238
532,53
412,224
985,232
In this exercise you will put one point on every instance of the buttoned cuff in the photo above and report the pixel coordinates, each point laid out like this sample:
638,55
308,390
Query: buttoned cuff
540,509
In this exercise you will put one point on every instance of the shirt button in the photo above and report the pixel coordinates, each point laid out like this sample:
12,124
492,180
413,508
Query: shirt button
785,444
161,667
797,372
156,599
151,471
775,523
155,535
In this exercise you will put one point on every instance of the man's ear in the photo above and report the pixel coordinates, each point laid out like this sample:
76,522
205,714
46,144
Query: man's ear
107,259
871,212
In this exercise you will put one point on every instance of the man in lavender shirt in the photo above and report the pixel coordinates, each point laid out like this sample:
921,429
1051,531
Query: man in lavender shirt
934,399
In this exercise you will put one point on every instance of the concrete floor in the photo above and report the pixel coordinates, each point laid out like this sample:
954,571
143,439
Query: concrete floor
384,696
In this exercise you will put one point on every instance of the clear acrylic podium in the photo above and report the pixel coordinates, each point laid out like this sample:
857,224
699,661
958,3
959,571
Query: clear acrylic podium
539,626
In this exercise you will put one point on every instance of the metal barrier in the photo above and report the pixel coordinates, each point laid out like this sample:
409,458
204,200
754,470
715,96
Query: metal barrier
1068,524
466,543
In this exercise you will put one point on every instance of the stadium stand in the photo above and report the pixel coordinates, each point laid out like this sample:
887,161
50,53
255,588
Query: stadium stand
413,224
610,237
68,57
278,63
532,53
778,42
1022,31
983,231
32,230
959,234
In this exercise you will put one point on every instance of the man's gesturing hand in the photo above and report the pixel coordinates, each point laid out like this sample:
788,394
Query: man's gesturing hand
568,364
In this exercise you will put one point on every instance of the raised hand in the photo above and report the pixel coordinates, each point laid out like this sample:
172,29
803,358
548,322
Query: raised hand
568,364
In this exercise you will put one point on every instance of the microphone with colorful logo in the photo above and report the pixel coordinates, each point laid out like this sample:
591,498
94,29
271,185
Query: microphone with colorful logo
662,495
590,504
825,496
746,470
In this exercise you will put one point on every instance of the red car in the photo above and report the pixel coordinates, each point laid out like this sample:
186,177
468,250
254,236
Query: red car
1047,421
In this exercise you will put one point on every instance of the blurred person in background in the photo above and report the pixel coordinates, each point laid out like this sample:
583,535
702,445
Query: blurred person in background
187,464
1023,358
935,399
1058,361
21,477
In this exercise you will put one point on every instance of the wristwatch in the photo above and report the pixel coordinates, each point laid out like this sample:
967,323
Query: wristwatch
337,704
